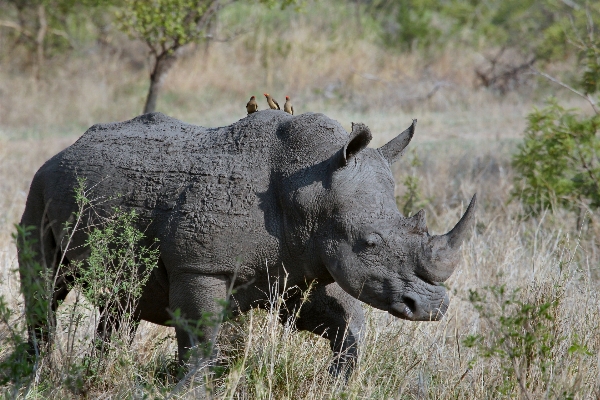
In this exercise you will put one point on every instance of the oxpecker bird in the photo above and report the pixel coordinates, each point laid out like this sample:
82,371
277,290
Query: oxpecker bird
272,103
252,105
288,107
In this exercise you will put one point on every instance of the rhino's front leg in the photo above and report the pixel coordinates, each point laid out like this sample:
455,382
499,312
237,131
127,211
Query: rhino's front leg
335,315
200,301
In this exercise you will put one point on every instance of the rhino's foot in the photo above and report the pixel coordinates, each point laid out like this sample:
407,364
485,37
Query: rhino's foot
343,367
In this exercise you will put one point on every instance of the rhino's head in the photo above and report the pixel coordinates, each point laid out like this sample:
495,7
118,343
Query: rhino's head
370,249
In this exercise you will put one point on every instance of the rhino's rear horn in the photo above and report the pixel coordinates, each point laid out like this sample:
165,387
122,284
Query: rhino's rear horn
393,150
458,233
359,140
417,222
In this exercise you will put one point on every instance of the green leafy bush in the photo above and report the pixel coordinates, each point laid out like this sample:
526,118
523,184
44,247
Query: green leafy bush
111,280
557,164
521,331
46,28
413,199
118,266
408,24
15,365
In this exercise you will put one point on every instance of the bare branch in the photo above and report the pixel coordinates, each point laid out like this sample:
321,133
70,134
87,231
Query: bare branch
17,27
229,38
64,35
501,75
587,97
572,4
151,47
208,15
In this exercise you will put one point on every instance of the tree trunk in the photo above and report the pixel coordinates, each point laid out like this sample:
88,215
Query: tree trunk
39,40
162,65
357,14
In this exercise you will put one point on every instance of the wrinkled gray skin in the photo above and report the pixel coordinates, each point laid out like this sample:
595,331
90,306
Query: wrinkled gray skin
285,194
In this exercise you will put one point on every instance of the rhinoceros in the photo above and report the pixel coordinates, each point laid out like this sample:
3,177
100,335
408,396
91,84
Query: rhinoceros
243,205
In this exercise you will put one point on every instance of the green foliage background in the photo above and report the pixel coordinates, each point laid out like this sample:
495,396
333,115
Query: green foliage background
537,28
557,162
558,165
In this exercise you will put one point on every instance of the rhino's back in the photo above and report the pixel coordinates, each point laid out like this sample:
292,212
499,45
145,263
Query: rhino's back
155,143
184,181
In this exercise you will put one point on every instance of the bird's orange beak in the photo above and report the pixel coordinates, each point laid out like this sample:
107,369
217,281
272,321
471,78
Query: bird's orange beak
266,94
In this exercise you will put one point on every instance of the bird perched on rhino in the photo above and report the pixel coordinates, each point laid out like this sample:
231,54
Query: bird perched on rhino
274,105
288,107
252,105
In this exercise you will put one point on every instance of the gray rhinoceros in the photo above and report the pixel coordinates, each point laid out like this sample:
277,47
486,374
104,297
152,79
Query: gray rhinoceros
240,206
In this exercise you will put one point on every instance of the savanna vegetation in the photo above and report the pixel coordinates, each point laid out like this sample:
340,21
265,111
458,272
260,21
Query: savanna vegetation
506,94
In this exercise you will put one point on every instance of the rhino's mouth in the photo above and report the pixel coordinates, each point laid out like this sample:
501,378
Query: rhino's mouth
402,310
408,309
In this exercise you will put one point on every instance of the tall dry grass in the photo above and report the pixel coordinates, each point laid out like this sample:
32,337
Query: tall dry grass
319,57
464,139
546,259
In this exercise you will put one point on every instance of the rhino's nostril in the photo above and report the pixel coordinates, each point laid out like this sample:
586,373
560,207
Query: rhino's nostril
411,304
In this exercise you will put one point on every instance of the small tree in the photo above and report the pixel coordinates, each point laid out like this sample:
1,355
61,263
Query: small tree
166,26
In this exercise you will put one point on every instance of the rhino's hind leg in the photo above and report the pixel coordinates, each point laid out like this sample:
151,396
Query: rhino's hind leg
111,322
197,304
42,283
335,315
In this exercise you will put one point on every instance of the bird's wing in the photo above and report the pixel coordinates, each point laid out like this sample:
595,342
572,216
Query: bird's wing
277,104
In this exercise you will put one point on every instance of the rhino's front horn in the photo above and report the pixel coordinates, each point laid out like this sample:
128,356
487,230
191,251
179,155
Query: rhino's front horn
392,150
458,233
442,252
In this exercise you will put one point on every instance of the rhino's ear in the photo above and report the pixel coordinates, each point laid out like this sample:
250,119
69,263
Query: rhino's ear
359,139
393,150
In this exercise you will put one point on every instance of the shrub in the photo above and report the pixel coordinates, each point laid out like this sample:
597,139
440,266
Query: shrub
522,332
557,163
413,199
110,279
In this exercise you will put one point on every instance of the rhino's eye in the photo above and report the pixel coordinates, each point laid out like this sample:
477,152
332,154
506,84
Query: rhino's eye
373,240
